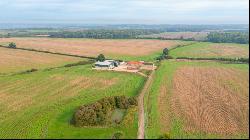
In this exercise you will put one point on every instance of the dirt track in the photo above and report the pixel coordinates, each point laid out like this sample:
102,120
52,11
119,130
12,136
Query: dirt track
141,122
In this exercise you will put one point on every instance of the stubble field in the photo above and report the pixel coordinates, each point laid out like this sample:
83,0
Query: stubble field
94,47
12,60
199,100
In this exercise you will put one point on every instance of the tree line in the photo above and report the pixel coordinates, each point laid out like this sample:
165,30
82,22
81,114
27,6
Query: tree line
229,37
104,34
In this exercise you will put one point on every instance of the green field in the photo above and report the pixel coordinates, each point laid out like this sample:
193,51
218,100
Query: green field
41,104
158,106
212,50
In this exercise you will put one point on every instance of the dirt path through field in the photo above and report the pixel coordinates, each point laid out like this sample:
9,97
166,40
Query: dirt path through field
141,122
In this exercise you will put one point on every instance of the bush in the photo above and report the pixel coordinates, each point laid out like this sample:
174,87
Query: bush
78,63
169,57
12,45
165,136
29,71
98,113
117,135
161,57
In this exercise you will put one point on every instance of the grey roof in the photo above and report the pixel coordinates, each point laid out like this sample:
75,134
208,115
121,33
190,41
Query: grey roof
103,63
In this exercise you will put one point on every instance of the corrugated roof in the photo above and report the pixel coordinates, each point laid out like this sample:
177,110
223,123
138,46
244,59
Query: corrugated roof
103,63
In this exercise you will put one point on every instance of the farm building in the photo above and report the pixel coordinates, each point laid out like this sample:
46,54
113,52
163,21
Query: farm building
107,64
132,65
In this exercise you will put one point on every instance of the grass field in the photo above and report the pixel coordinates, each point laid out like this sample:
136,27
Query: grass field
212,50
12,60
199,100
41,104
125,49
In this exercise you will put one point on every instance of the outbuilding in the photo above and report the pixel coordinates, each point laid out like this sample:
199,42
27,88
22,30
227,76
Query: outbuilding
107,64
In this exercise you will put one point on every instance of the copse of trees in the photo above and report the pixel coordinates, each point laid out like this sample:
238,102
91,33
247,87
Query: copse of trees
98,113
228,37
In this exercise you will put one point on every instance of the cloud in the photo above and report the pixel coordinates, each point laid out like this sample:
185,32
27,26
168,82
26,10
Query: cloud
126,11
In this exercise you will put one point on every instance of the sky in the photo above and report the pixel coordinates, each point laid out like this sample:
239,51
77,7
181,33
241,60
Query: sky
125,11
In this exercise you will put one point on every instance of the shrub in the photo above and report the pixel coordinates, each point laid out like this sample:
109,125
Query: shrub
12,45
165,136
169,57
121,102
117,135
78,63
132,101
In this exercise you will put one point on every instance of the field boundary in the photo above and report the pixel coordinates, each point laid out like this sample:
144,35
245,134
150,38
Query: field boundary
180,46
231,60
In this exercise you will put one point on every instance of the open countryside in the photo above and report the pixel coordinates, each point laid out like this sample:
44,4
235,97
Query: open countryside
140,69
89,47
172,97
181,105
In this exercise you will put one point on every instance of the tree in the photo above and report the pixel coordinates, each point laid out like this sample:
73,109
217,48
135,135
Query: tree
165,51
100,58
12,45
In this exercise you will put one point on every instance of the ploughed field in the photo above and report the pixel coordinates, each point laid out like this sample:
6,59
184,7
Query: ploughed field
12,60
212,50
41,104
93,47
199,100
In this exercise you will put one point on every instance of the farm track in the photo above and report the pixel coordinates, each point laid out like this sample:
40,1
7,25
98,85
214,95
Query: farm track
141,122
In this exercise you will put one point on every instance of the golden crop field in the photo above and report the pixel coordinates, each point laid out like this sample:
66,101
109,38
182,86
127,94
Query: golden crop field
199,100
93,47
210,99
12,60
